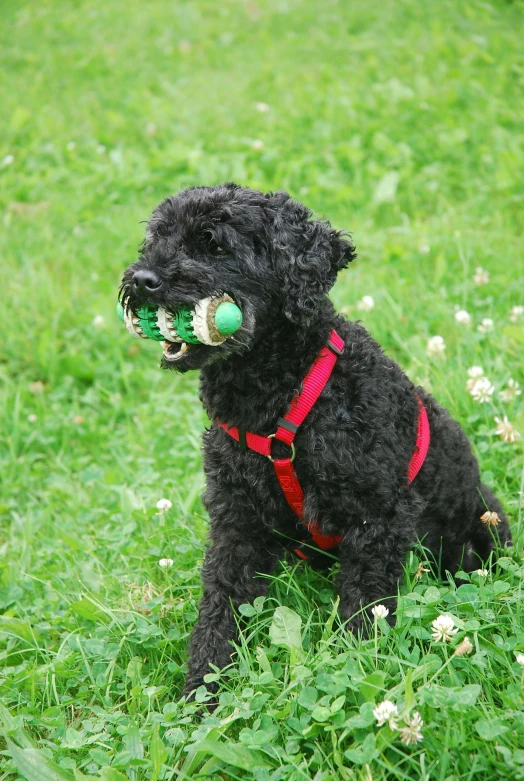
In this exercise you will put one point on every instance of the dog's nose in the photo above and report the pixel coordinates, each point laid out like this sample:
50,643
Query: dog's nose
146,281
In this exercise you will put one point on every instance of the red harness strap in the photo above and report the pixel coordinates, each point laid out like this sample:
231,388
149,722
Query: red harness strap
421,443
287,427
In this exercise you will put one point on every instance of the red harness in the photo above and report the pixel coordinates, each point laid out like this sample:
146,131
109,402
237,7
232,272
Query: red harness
287,427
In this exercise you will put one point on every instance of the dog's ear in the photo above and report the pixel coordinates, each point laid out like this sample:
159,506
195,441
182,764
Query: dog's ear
307,254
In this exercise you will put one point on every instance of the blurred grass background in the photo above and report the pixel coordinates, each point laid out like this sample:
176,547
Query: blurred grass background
400,121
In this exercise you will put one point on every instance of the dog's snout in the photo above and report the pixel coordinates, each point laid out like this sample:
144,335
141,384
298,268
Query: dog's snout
146,281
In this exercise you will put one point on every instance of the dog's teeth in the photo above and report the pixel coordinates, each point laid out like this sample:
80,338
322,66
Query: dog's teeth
169,356
135,320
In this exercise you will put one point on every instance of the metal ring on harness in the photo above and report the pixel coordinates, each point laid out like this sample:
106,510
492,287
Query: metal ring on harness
292,446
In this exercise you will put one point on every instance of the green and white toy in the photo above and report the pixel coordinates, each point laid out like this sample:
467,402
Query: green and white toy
211,321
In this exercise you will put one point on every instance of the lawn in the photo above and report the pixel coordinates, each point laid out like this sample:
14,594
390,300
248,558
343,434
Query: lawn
401,121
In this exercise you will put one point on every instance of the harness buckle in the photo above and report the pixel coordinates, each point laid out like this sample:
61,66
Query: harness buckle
292,446
334,349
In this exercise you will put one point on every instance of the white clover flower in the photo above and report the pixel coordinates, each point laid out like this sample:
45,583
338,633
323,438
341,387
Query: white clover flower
100,150
366,304
263,108
482,390
166,563
516,313
71,145
435,346
98,321
8,159
32,418
482,573
486,325
511,392
257,145
380,611
463,648
164,505
506,431
520,659
411,732
481,276
443,629
462,317
36,387
386,711
490,518
474,374
424,249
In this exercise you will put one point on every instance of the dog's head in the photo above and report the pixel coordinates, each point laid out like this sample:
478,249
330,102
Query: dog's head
264,251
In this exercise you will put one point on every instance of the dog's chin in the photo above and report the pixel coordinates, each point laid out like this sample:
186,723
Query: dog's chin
183,357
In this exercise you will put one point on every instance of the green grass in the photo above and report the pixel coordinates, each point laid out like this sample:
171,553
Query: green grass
399,120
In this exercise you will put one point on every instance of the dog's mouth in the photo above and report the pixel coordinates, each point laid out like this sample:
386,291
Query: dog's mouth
174,351
207,323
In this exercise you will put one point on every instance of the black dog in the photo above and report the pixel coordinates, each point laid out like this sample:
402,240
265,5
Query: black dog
354,447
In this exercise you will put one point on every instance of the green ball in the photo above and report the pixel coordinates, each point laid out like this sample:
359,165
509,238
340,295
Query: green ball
120,311
228,318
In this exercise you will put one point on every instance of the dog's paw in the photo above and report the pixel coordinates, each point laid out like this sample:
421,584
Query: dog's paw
205,709
356,626
207,704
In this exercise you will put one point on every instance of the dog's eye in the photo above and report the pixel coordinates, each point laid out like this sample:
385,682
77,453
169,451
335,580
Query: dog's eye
215,249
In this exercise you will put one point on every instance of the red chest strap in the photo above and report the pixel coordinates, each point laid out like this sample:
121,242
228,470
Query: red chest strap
287,427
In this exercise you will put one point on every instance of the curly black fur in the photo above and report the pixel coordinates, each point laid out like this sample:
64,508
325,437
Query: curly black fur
353,449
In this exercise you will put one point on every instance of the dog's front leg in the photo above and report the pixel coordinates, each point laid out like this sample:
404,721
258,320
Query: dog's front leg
372,555
229,578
